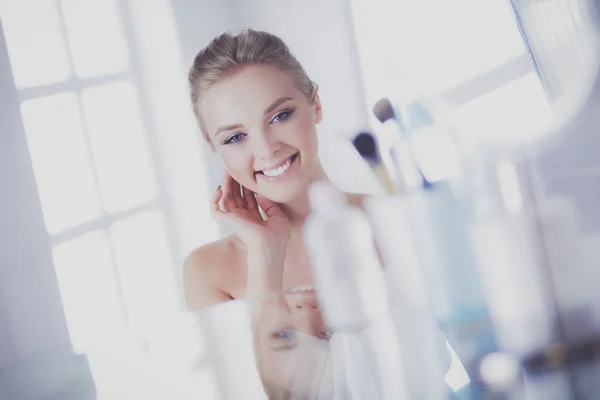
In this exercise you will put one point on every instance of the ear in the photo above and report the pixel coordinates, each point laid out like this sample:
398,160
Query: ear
318,109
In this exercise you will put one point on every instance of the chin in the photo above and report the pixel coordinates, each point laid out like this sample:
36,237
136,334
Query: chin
285,194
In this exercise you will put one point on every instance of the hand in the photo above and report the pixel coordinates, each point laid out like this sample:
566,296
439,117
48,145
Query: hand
266,239
240,211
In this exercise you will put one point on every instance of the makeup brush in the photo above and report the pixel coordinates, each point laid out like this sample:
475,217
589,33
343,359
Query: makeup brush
367,147
384,111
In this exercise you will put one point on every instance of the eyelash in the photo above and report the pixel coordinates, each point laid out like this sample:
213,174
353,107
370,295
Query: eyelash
231,139
287,113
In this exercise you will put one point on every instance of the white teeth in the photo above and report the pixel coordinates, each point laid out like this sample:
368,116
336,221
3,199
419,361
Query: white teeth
279,170
296,289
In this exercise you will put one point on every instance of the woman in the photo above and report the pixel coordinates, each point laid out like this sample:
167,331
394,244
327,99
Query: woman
258,110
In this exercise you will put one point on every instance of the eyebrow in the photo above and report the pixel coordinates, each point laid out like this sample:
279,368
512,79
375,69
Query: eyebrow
228,128
273,106
277,103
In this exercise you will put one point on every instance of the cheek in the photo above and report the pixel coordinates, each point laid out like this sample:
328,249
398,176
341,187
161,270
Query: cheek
239,166
305,134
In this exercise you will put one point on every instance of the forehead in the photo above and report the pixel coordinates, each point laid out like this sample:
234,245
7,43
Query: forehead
245,96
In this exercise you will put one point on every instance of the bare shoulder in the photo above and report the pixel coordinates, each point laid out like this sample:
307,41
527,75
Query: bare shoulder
210,255
207,270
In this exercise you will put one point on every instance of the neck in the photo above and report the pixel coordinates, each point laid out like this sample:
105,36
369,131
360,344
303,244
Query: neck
297,210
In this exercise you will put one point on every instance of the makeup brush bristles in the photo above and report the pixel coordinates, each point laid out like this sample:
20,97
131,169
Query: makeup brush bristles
366,145
384,110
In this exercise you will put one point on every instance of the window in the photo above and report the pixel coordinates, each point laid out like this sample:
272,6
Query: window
98,180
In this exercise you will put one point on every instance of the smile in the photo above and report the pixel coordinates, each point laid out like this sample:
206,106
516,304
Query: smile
279,172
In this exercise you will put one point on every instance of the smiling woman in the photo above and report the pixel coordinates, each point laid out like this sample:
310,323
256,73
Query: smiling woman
258,110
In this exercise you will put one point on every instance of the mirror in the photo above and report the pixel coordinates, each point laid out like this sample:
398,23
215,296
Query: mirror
122,179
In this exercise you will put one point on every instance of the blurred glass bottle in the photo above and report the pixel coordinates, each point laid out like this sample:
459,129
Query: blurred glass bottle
352,294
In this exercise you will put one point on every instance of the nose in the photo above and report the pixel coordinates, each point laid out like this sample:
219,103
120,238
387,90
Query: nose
266,146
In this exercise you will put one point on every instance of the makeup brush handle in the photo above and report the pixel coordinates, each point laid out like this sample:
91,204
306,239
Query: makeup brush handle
384,178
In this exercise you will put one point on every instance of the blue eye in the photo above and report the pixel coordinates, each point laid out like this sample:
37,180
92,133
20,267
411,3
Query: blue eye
238,137
282,116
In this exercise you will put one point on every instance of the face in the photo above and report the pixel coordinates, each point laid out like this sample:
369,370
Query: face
294,343
264,129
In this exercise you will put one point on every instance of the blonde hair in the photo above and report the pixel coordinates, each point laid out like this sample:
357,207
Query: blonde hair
227,54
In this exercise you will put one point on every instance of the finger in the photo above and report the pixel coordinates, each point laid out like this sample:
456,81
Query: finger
214,202
237,195
250,199
229,219
218,214
268,206
217,196
228,201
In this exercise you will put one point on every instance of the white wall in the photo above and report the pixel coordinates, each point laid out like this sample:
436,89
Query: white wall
31,315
